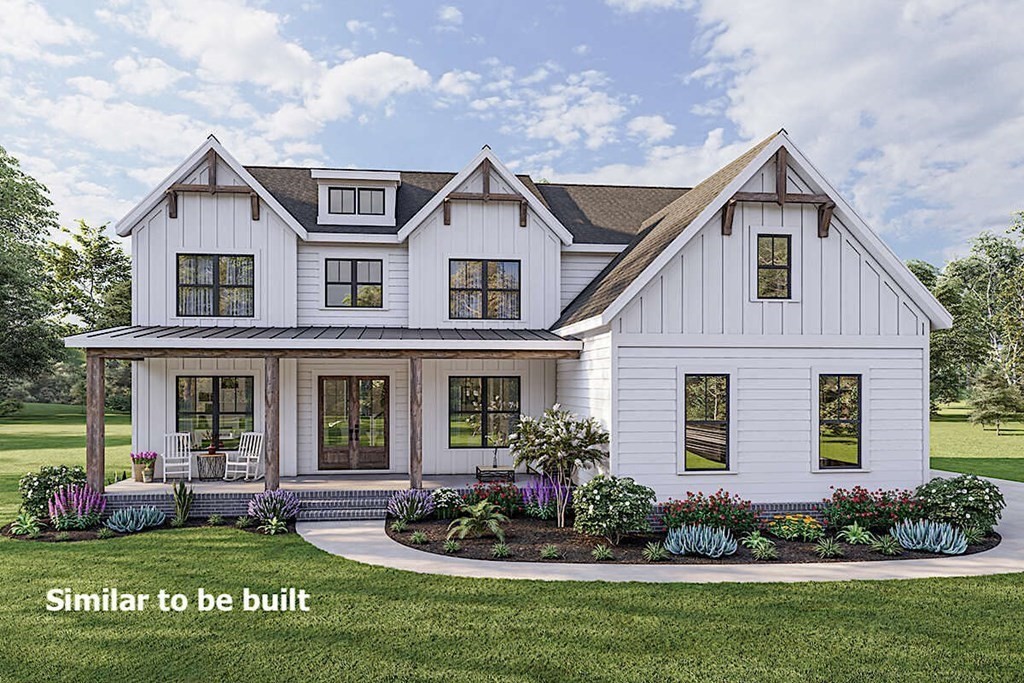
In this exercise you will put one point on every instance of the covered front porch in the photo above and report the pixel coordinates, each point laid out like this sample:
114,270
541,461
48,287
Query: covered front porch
305,356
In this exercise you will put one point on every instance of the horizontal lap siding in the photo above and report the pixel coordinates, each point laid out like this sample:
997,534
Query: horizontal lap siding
584,384
775,421
578,269
311,290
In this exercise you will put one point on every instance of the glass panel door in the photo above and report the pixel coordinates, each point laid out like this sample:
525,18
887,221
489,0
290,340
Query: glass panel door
353,423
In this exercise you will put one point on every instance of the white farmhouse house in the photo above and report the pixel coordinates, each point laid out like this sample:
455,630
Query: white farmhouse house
750,333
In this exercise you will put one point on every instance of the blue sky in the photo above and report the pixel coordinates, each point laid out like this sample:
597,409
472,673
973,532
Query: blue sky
915,110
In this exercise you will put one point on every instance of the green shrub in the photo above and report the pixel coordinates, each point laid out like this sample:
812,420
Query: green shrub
447,503
760,546
243,522
828,547
451,546
183,497
873,510
720,509
37,488
26,524
612,507
700,540
505,495
273,527
974,534
602,553
796,527
550,552
500,550
477,520
63,536
855,534
105,532
654,552
931,536
887,545
214,520
418,537
962,501
399,525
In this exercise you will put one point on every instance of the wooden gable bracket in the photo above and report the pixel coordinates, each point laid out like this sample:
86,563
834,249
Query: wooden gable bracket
485,196
211,187
781,196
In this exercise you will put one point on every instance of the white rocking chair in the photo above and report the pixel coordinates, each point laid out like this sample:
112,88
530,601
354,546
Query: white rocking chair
177,455
247,461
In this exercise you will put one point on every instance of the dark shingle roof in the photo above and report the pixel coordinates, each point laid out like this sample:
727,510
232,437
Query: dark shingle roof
657,232
594,214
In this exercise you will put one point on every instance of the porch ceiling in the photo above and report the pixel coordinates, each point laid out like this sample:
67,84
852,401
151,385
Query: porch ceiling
323,342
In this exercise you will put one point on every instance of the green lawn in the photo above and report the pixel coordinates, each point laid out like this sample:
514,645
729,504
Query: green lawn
370,624
959,446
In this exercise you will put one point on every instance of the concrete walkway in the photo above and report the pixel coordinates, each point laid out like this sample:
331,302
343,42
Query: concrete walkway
366,542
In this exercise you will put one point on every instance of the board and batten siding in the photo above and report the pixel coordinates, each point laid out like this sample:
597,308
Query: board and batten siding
774,416
578,269
312,308
484,230
213,224
838,287
154,389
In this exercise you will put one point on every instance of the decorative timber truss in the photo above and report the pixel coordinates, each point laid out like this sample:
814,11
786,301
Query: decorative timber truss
781,197
485,196
211,187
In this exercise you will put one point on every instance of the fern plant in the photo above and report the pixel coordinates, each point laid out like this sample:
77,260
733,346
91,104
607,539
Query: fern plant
933,537
887,545
855,534
708,541
479,519
654,552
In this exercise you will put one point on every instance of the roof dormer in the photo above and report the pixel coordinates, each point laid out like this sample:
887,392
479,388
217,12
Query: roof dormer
353,197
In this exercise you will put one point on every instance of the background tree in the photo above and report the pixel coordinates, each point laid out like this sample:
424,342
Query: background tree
91,276
29,338
994,400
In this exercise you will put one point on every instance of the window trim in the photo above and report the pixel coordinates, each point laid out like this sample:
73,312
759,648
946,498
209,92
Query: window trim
355,281
865,416
359,201
216,286
355,200
483,408
215,416
796,260
483,289
788,267
732,456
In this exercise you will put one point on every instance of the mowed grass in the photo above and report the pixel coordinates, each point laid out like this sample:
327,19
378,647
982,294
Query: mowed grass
959,446
46,434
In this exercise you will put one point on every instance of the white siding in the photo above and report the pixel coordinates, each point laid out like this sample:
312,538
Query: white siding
221,224
838,287
578,269
774,418
311,295
484,230
584,385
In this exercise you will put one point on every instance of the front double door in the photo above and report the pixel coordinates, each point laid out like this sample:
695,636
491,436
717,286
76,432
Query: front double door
353,420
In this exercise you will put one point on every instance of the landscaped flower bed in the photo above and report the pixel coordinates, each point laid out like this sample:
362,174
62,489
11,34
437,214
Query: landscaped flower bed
608,515
47,534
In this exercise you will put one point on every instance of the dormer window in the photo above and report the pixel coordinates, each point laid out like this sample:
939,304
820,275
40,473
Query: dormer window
353,197
371,201
341,200
362,201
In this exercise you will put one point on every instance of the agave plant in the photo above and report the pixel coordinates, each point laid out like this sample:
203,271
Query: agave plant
828,547
411,505
654,552
700,540
133,519
886,545
477,520
934,537
76,507
855,534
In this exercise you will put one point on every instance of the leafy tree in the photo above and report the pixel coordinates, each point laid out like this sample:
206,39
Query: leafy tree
559,444
90,271
994,400
29,339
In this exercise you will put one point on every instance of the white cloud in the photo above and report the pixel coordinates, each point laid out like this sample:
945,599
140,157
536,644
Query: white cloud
29,33
93,87
457,83
355,27
146,75
449,18
576,110
581,49
650,128
642,5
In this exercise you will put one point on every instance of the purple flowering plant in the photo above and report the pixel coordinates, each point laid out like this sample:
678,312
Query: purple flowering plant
540,497
76,507
411,505
147,458
274,504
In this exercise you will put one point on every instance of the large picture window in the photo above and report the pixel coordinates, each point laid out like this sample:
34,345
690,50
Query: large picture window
214,409
839,421
354,283
774,267
214,285
706,432
483,290
482,411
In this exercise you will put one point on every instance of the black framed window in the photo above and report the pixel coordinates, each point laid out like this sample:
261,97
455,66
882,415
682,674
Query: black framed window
214,409
774,267
482,411
341,200
706,422
483,289
216,285
839,421
371,201
354,283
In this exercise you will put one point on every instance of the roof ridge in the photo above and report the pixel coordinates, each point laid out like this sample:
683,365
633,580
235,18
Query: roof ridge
634,187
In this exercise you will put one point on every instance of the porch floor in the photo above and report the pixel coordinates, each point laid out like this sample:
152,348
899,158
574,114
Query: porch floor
311,482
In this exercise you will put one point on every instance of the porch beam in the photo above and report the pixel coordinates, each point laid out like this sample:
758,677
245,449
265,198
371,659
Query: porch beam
415,423
95,446
272,421
526,354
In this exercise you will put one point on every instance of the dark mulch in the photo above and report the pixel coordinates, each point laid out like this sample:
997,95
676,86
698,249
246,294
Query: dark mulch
525,537
51,535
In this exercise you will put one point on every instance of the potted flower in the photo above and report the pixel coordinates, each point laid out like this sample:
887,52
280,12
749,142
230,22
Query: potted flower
214,443
142,465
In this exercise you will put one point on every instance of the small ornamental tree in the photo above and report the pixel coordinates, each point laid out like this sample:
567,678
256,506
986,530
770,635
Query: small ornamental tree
559,445
994,400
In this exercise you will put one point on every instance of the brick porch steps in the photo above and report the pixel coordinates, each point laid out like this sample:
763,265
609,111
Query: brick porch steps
315,505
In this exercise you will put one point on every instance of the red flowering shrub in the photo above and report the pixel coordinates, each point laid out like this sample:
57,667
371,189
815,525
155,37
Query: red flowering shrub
505,495
720,509
876,510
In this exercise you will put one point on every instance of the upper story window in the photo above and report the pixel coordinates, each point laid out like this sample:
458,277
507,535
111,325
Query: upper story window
839,421
483,289
216,285
706,428
774,267
354,283
363,201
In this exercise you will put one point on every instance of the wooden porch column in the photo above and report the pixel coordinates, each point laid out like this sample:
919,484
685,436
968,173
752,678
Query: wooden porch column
95,389
415,423
272,421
